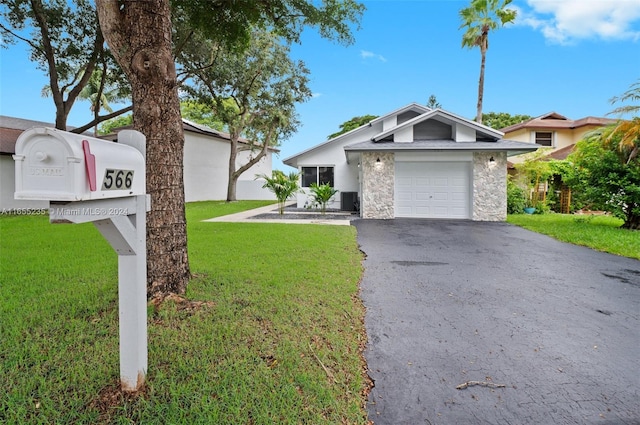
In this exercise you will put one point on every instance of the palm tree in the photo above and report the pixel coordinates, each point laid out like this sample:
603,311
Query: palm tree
282,185
629,129
480,18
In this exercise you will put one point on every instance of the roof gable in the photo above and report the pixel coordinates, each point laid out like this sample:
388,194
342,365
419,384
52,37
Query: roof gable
405,111
553,116
442,116
555,121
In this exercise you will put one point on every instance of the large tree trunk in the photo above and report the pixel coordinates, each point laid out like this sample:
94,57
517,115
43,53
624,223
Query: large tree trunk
233,179
139,35
483,54
234,174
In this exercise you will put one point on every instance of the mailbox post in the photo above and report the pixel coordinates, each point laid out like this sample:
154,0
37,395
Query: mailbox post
93,180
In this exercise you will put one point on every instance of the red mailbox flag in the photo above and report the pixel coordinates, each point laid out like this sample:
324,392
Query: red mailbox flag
90,164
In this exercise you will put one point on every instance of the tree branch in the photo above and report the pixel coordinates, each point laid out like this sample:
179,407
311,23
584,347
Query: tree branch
26,40
49,53
263,151
101,119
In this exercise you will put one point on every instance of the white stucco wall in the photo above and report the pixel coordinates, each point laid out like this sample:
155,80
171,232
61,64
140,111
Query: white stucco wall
206,172
7,187
333,155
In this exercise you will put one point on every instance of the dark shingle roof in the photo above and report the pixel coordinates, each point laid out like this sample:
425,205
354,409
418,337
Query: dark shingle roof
11,128
554,120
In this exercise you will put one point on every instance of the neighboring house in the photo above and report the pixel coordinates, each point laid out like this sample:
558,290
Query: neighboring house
206,164
414,162
10,129
554,131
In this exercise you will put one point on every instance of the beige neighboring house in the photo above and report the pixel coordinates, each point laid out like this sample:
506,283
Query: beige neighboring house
554,131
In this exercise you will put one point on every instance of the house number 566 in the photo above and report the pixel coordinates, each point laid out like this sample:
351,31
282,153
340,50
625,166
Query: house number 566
117,179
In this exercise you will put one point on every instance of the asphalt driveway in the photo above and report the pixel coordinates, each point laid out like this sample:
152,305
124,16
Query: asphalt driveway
455,302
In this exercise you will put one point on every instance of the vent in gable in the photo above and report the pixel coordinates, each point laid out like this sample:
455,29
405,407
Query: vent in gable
406,116
432,130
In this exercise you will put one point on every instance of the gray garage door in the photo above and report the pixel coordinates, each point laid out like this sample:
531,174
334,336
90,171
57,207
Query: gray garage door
432,189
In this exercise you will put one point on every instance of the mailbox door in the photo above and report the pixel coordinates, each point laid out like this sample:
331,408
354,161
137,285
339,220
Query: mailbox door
48,168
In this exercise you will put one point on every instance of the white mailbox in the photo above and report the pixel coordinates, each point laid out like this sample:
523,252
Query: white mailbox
57,165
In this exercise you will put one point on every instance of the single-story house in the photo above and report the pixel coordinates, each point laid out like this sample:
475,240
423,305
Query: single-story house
414,162
206,163
554,131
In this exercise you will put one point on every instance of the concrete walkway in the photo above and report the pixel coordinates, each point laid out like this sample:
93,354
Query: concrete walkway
245,217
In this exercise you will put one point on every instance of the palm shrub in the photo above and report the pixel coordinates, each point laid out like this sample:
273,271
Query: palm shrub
282,185
322,195
516,198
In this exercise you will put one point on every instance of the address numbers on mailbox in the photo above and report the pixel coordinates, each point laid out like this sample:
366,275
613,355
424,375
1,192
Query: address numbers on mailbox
56,165
117,179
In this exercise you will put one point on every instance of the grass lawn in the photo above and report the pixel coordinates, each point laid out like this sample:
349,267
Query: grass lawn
271,332
602,233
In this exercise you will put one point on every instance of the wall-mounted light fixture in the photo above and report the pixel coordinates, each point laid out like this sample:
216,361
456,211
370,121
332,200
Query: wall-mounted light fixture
378,160
492,161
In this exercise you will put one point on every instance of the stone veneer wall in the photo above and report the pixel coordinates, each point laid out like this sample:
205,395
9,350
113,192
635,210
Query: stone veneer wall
489,186
378,182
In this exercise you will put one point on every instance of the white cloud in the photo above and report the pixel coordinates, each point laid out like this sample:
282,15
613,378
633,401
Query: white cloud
365,54
566,21
315,95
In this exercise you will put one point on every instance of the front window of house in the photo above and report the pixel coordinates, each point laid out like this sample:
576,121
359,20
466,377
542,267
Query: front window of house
318,175
544,138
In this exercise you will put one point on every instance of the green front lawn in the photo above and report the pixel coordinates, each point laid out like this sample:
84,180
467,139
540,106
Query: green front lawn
271,332
602,233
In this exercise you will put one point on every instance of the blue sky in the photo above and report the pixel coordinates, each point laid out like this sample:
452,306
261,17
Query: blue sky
568,56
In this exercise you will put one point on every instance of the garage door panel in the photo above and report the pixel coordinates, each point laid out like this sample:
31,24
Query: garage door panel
440,182
404,211
432,189
421,182
421,196
404,196
403,181
459,196
459,182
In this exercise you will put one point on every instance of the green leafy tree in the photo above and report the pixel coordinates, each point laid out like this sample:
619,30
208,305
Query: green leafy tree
607,176
533,174
499,120
139,35
254,92
200,114
282,185
322,194
433,102
479,19
110,125
352,124
65,42
192,111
